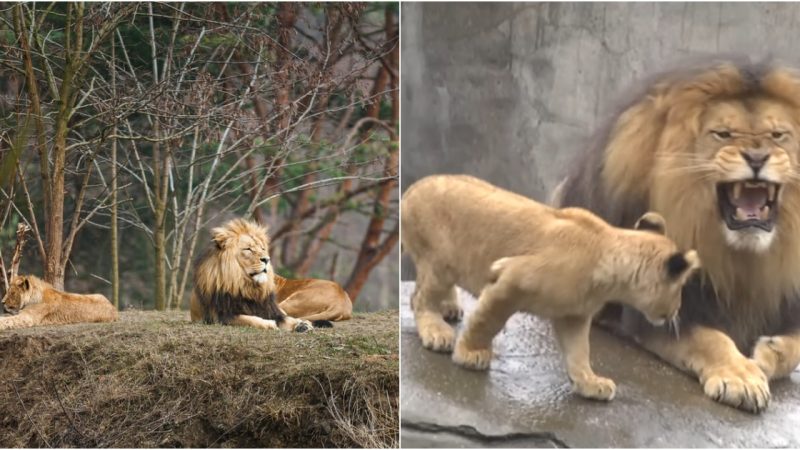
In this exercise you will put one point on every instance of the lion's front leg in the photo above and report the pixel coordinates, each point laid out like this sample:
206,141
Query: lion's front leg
727,376
778,356
253,321
572,334
21,320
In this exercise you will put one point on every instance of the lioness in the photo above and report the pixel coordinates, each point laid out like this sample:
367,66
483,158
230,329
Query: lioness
564,265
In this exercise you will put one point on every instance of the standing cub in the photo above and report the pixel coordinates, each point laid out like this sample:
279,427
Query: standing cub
560,264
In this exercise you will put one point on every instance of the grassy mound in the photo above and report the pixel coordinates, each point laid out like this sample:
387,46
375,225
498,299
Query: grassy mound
157,380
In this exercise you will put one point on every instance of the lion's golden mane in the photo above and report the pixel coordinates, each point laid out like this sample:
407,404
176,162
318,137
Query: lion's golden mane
223,288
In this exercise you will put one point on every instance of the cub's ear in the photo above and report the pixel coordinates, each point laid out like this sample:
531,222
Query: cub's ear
221,236
22,282
651,221
680,263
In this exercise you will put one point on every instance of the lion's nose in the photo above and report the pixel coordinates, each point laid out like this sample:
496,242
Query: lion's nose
265,260
755,159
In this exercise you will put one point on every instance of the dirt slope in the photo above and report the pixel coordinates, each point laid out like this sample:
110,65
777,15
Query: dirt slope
155,379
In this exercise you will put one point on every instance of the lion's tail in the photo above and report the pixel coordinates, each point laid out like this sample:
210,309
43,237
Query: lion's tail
322,323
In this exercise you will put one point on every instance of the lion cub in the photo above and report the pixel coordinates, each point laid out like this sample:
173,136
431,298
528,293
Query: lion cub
34,302
520,255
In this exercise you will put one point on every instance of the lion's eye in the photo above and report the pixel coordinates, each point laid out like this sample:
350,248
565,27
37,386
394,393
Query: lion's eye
777,134
722,134
248,251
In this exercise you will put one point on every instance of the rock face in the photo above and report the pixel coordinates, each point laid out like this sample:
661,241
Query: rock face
509,92
525,399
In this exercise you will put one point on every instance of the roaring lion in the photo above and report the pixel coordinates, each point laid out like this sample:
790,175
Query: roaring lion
33,302
235,284
563,265
714,150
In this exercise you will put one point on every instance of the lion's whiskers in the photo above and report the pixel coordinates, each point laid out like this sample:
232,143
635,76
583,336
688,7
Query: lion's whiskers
674,326
708,168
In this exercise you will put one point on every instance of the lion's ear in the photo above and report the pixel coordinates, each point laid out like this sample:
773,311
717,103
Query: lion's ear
221,236
651,221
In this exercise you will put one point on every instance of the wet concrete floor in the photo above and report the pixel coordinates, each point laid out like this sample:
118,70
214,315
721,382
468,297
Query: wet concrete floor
525,399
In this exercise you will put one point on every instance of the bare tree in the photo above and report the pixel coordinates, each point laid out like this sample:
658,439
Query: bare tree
65,71
155,120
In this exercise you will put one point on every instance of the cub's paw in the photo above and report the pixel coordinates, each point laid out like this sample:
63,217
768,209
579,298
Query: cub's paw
451,311
775,355
437,336
302,326
475,359
741,384
595,388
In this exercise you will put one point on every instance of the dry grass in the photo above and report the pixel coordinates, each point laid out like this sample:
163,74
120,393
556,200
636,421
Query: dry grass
156,380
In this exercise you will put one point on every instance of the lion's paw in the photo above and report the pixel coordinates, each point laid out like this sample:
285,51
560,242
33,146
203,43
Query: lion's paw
437,336
595,388
774,354
742,385
475,359
302,326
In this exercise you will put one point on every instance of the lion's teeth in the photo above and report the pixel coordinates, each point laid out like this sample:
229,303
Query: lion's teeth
740,214
754,184
765,213
737,190
771,191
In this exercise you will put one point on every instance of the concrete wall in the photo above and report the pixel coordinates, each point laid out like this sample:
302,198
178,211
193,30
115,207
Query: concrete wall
509,91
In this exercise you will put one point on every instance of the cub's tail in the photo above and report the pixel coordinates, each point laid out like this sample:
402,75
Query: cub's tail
497,268
556,197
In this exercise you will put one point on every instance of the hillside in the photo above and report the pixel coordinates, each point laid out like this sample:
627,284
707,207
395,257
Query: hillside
155,379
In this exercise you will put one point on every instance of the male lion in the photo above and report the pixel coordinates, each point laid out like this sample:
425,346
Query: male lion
715,151
235,285
563,265
33,302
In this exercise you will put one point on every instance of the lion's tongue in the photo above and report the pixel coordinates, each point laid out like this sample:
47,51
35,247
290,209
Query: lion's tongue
750,203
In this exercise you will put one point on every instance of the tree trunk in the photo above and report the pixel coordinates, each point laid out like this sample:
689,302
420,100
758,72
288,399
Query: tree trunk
54,222
287,15
372,249
114,212
160,267
160,232
302,262
161,180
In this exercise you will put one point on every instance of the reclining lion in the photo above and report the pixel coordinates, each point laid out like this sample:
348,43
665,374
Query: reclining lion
33,302
235,284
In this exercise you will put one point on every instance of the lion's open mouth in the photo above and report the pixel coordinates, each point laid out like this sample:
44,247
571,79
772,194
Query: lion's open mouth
751,203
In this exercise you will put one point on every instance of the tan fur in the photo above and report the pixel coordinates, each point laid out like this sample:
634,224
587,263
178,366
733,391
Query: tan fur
564,265
235,265
35,302
313,299
662,155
